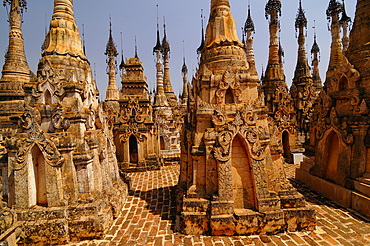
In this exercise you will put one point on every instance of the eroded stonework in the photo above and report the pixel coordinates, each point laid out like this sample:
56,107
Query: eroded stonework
134,129
282,117
230,183
59,169
339,128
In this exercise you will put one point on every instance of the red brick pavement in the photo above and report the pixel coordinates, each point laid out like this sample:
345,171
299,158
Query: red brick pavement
147,219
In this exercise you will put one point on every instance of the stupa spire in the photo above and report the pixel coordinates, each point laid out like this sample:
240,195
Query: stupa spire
136,52
63,37
111,53
166,60
185,93
158,46
333,11
302,71
160,97
221,29
315,51
203,41
249,30
272,13
15,70
345,22
122,64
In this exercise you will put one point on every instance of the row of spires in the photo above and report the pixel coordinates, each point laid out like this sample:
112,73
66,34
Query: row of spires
163,48
64,8
272,11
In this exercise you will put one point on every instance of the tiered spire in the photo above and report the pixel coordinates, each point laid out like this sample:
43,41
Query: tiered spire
111,53
185,94
63,37
166,57
333,11
272,13
344,22
221,27
249,30
302,71
315,51
160,97
15,71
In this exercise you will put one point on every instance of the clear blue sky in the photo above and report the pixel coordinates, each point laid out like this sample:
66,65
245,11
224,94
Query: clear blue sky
138,18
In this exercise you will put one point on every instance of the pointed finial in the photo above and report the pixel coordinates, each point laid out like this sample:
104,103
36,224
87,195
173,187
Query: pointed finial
164,26
165,45
83,38
122,65
46,32
301,20
315,46
157,16
273,5
200,48
249,24
22,5
281,50
333,8
184,67
158,46
243,36
345,17
94,71
111,46
46,26
136,55
183,49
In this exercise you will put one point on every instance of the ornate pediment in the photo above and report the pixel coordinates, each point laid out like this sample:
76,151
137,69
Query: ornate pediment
245,125
131,112
229,81
33,136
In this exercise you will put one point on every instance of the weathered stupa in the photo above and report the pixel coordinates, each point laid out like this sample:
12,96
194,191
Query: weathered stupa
283,126
303,90
339,128
229,182
62,176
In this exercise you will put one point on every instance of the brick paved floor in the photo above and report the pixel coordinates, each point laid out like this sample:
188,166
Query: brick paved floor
146,219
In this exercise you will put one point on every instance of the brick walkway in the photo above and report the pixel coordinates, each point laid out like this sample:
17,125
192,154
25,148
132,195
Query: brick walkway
147,219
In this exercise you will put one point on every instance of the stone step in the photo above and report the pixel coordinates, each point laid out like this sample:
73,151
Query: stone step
195,205
309,159
45,232
362,187
361,203
364,180
306,166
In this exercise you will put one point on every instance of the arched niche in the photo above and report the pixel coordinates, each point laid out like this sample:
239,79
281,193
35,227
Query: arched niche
242,177
332,152
134,150
229,96
37,189
343,83
162,143
286,147
48,98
